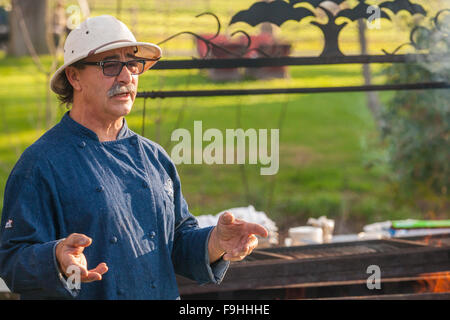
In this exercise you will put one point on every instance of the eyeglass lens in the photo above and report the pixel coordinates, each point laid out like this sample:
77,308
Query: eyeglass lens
113,68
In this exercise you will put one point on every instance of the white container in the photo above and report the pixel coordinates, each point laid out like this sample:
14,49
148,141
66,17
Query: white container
306,235
3,287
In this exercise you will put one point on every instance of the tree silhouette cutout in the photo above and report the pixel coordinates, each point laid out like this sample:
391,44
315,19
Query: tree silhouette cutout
279,11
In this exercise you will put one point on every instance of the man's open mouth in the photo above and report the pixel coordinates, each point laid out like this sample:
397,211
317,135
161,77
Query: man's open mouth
122,95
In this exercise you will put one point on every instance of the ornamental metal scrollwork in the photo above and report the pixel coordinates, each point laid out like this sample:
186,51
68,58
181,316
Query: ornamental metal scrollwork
418,29
279,11
209,43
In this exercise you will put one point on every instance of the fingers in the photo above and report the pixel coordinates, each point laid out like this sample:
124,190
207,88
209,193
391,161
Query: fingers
102,268
96,273
229,257
254,228
76,269
78,240
251,228
246,248
227,218
232,230
70,257
87,275
83,274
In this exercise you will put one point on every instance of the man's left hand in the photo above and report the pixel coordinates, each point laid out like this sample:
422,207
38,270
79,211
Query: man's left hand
234,239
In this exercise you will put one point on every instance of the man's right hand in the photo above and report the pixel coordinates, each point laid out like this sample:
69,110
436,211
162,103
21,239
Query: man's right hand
69,252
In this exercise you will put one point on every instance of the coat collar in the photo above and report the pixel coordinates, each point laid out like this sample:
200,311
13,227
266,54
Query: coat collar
81,130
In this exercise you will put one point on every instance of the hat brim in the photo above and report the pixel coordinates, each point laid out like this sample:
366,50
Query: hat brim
145,50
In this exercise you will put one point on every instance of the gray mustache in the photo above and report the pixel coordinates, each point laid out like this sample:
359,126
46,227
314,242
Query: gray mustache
118,89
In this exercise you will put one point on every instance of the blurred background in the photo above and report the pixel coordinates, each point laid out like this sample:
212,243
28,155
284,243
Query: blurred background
356,158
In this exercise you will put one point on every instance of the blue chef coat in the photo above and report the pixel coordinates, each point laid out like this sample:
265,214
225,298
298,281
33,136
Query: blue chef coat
124,194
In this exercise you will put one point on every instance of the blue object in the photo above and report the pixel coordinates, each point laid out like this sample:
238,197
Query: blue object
4,16
124,194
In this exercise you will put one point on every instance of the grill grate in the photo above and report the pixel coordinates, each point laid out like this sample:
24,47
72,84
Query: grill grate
330,270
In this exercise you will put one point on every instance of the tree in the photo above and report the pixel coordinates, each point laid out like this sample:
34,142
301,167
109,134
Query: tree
280,11
28,29
417,128
373,101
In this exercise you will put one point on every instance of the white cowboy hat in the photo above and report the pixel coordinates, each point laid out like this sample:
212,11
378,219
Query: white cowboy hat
100,34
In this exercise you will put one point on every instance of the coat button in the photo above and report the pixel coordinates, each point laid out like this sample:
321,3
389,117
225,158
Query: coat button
99,189
152,234
113,240
82,144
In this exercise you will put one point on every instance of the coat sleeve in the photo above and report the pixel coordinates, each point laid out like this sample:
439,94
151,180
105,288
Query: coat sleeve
190,254
28,238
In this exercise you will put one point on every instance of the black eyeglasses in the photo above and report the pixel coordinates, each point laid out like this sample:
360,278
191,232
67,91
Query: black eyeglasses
114,68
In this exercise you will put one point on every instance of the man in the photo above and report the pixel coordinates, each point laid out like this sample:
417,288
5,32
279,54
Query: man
93,197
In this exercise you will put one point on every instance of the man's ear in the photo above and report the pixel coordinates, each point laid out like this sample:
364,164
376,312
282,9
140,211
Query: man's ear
73,76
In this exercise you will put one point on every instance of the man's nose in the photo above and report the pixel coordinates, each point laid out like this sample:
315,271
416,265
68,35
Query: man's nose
125,75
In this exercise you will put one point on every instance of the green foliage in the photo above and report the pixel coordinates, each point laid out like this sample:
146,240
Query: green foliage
418,122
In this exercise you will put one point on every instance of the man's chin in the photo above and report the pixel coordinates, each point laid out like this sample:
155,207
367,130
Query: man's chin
121,109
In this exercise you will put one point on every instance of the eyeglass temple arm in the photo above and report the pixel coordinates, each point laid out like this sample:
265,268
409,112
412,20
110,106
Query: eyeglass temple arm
150,59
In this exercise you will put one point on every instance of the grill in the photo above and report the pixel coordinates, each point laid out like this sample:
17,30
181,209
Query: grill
410,268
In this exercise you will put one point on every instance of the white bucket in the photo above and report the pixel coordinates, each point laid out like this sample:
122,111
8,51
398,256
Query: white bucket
306,235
